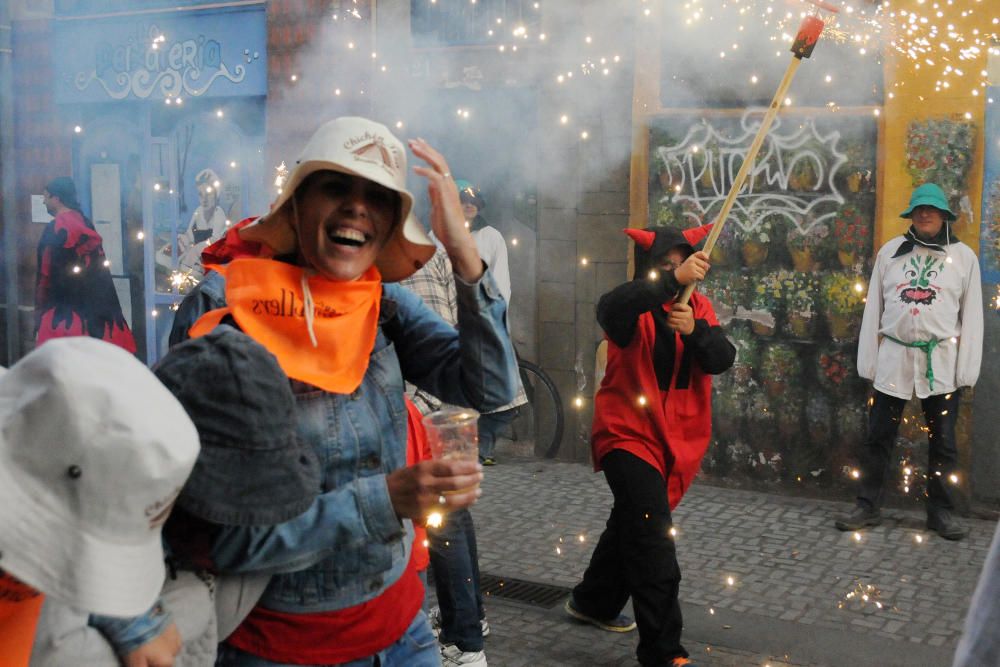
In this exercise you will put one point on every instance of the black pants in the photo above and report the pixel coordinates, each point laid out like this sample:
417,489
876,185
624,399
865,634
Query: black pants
940,413
636,557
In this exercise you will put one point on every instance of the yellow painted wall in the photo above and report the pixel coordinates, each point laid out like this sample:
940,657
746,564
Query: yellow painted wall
910,95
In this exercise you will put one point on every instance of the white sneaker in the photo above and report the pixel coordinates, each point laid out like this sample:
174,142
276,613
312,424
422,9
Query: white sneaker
434,616
451,655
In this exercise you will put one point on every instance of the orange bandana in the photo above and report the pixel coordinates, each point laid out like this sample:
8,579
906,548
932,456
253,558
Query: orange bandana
20,606
322,331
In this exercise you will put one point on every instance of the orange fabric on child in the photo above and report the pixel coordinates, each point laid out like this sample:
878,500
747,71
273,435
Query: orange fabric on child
20,606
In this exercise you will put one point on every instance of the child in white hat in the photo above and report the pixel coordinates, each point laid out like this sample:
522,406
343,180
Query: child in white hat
93,452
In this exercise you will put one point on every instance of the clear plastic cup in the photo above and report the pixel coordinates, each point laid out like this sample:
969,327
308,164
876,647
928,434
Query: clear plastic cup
453,434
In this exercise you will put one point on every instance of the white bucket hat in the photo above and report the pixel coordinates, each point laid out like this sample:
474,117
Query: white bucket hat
364,148
93,452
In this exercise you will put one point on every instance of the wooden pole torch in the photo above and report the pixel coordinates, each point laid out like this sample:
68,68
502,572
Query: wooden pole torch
805,41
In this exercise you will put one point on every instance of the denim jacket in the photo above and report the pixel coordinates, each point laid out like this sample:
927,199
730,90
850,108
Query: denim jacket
349,546
128,634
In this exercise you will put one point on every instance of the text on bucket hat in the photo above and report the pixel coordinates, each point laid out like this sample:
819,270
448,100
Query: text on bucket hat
93,452
929,194
252,469
367,149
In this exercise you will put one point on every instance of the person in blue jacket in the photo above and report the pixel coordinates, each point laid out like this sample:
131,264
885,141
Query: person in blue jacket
314,283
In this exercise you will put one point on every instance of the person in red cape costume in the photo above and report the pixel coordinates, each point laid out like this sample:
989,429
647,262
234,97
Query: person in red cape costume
652,425
74,292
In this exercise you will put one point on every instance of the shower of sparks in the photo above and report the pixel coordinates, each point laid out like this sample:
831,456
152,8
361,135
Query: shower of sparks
909,475
862,595
281,175
926,37
435,519
181,281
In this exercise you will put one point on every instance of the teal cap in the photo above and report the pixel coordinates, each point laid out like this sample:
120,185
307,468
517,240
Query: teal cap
929,194
470,192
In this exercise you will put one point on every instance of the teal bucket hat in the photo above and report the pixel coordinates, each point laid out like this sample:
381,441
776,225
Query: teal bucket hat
929,194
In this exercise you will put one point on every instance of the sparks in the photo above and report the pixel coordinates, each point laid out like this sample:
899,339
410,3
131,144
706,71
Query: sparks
281,175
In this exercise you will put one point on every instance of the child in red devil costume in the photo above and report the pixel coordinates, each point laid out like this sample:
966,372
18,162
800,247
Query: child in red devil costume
652,424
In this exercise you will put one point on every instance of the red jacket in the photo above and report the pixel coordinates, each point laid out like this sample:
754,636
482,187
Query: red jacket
656,397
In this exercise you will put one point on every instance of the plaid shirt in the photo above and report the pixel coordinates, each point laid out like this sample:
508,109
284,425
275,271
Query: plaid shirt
435,284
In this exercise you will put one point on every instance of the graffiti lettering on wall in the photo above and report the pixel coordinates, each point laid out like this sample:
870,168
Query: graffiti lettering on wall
141,66
789,278
162,57
793,176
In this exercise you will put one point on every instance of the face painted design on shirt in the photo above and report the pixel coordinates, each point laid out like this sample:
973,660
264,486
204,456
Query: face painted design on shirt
919,289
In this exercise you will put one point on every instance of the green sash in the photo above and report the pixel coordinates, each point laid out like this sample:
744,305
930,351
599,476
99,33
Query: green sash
928,347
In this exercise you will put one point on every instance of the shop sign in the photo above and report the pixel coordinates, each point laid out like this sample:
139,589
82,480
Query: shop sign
160,56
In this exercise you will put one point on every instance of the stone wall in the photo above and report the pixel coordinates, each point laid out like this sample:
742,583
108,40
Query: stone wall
582,253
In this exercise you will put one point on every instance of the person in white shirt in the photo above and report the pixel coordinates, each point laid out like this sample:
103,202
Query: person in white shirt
493,251
208,223
922,333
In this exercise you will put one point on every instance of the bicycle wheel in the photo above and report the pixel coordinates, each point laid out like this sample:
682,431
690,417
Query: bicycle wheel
539,423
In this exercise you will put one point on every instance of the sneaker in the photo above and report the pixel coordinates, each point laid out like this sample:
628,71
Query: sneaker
620,623
434,616
489,461
451,655
944,524
860,517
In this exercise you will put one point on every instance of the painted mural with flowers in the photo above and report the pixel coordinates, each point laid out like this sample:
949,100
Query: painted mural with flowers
989,246
789,280
941,150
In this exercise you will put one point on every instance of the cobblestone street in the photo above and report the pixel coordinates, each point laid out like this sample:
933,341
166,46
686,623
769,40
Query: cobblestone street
767,578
